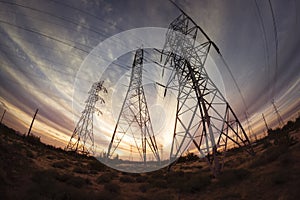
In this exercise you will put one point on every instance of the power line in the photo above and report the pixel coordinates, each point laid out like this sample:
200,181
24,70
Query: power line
234,81
276,47
45,21
267,55
48,36
85,12
54,16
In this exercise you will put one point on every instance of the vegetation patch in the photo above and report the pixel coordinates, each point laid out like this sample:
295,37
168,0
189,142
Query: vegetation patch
63,164
127,179
96,165
112,188
80,170
280,177
232,176
270,155
104,178
189,182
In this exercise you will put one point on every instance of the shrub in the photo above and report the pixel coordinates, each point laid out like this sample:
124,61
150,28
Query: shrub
135,175
29,154
50,157
95,165
141,179
280,177
162,195
188,182
44,176
231,196
112,188
76,181
107,195
233,176
80,170
127,179
194,184
32,139
269,155
61,164
113,173
63,177
157,174
104,178
57,190
158,183
144,187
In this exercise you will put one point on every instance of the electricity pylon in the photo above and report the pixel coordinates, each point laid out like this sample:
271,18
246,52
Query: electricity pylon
134,118
203,117
82,139
279,118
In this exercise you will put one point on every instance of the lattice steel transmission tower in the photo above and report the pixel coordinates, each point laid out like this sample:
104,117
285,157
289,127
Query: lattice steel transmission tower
82,139
203,116
279,118
134,118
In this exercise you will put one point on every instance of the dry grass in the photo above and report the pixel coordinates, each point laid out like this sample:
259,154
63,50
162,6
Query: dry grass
31,170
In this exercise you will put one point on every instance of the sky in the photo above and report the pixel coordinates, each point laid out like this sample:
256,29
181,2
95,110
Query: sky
46,46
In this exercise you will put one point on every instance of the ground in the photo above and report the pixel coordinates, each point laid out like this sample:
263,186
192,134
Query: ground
30,169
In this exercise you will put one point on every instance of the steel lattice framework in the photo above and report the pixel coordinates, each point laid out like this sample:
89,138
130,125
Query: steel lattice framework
134,118
203,117
82,139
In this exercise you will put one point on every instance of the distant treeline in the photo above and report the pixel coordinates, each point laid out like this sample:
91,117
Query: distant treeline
288,127
282,135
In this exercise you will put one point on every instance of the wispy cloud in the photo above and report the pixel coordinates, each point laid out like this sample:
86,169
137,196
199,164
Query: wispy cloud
44,43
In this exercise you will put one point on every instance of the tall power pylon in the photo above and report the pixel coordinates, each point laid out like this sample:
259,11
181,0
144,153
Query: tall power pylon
203,116
134,118
267,127
279,118
82,139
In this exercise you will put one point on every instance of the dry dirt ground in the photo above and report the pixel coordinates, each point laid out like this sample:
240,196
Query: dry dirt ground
32,170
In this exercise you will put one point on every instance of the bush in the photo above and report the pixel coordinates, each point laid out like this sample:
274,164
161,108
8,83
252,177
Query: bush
29,154
50,157
44,176
269,155
61,164
32,139
233,176
162,195
112,188
127,179
231,196
281,177
95,165
51,176
141,179
50,189
104,178
63,177
188,182
77,181
157,174
195,184
281,136
107,195
80,170
144,187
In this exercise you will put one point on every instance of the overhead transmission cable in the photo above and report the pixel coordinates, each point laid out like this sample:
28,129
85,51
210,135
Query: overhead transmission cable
276,48
267,54
99,32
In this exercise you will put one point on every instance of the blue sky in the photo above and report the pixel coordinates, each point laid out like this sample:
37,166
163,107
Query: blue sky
44,43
